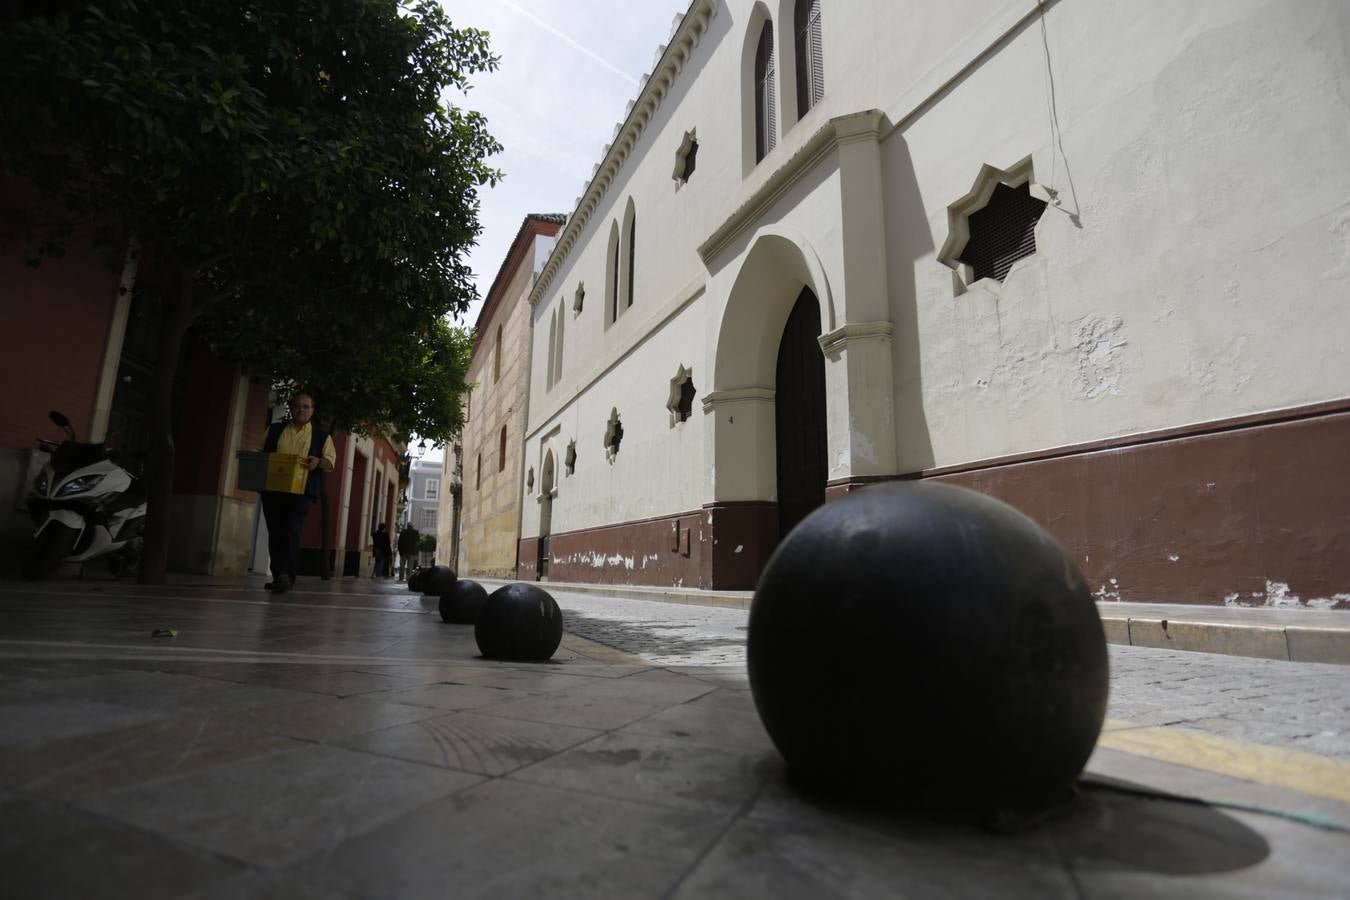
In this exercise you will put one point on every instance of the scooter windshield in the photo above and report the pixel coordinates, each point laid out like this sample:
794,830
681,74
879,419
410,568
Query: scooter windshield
72,455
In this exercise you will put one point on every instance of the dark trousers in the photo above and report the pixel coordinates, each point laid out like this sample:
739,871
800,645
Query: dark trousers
285,516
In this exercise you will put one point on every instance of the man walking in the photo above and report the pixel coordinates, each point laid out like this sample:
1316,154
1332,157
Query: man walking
285,513
407,549
383,552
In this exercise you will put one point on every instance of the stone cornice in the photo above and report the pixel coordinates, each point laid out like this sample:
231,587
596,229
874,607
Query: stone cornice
839,131
836,340
654,89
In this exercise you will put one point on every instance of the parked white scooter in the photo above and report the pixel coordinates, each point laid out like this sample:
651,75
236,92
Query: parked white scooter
84,506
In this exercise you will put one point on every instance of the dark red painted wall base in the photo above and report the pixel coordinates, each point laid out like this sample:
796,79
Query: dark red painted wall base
1253,511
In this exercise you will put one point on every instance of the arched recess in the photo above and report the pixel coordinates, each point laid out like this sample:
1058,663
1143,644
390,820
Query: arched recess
612,275
558,356
552,351
628,257
765,290
754,30
773,273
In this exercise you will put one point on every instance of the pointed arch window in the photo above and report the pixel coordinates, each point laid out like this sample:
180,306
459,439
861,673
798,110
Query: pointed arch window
612,276
497,361
810,56
766,98
552,350
632,244
558,356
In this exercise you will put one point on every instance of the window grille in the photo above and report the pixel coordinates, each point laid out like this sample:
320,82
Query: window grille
690,158
766,113
1002,232
686,405
810,56
632,240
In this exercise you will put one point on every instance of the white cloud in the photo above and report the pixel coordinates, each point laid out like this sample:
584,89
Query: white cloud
568,68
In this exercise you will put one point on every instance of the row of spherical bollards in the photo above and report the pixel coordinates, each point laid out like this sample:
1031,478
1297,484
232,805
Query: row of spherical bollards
517,622
930,646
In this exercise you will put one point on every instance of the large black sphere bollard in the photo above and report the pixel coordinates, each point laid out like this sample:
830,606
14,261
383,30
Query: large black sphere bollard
519,622
463,602
931,645
415,580
437,580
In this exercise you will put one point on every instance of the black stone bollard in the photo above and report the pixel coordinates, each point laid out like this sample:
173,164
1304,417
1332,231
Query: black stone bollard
437,580
463,602
931,646
519,622
415,580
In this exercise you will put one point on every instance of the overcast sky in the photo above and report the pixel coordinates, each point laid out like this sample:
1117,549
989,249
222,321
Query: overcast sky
568,68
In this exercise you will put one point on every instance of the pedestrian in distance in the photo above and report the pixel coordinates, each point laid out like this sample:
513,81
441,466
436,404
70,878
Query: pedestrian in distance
407,549
285,513
383,551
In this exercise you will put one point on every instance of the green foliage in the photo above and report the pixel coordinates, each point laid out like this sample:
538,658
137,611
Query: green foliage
427,543
291,165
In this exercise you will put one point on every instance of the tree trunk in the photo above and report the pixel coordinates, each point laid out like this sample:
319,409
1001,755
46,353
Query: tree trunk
178,316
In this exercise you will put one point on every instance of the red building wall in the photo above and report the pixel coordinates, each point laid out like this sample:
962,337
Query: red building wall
54,321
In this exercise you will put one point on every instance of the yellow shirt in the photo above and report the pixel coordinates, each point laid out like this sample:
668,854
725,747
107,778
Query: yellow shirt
297,438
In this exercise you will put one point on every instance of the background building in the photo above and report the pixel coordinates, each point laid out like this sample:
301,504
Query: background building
1086,257
494,430
425,490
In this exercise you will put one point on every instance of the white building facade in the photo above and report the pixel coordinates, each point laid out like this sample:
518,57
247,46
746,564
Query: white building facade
1091,258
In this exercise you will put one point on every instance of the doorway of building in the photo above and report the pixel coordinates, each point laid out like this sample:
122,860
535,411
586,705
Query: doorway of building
545,517
799,414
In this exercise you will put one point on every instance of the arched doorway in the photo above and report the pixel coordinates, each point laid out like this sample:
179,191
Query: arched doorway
799,414
545,516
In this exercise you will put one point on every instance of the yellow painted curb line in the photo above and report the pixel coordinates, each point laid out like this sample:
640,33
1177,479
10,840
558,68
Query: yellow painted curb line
1307,773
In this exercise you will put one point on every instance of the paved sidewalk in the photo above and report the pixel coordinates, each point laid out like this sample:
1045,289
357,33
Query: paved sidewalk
342,742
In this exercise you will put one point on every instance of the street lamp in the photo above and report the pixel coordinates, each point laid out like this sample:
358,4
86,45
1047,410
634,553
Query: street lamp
422,448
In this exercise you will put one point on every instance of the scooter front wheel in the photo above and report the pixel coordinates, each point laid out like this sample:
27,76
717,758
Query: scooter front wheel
53,544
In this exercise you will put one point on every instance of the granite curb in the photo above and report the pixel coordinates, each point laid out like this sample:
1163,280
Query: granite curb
1294,635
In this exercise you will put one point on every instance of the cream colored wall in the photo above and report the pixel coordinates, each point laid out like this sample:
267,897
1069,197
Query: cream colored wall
1189,271
1203,152
490,516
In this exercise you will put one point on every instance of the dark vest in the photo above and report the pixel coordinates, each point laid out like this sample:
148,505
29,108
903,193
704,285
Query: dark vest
317,439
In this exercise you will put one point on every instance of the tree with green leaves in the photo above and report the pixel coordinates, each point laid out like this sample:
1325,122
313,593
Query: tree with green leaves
291,173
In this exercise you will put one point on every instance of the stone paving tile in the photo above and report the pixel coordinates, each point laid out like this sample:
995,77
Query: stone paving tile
721,719
81,766
280,808
335,681
53,851
30,722
326,718
263,885
788,860
651,769
506,839
606,705
488,745
1210,787
451,696
168,692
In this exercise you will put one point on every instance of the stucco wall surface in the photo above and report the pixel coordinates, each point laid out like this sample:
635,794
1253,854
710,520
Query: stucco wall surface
1195,157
